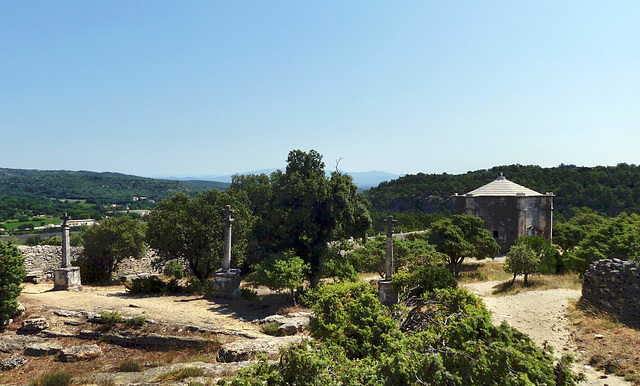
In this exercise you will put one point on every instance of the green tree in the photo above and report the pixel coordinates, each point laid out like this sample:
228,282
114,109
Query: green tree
113,240
283,272
462,236
192,230
307,210
12,273
521,260
549,256
616,238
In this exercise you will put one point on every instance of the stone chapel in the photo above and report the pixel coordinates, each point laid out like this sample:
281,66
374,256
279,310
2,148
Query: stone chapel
508,210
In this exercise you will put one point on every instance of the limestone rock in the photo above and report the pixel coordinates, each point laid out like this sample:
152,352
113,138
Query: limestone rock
13,343
248,350
20,309
80,353
12,362
34,325
290,324
42,349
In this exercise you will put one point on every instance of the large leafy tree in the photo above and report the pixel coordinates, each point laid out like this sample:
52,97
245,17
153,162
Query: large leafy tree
112,240
462,236
307,209
192,230
12,272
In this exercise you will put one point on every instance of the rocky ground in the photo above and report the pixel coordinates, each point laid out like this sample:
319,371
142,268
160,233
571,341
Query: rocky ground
64,331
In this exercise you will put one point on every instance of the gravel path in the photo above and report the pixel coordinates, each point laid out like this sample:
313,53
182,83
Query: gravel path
541,315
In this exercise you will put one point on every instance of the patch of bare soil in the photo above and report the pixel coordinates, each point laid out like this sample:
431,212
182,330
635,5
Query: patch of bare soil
543,316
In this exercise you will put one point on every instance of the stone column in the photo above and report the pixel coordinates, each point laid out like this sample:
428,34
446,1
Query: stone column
226,263
66,246
386,293
66,277
226,281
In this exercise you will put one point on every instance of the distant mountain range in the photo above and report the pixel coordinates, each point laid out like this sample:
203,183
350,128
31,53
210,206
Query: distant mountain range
363,180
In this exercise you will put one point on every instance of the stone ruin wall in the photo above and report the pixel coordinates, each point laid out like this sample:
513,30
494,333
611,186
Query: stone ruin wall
614,285
46,258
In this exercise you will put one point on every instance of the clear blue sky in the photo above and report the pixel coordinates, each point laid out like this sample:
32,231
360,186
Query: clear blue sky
217,87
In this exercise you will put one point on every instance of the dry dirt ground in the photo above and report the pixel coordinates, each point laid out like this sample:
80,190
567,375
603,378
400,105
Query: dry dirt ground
218,314
543,316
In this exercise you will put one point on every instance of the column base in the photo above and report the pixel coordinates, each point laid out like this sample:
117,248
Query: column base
67,279
226,284
387,295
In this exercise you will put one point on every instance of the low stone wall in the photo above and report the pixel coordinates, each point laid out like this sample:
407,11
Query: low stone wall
46,258
614,285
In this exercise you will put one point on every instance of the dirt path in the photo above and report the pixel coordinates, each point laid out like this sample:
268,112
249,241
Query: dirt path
222,315
541,315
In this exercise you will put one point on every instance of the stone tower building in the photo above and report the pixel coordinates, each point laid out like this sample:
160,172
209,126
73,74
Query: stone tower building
509,210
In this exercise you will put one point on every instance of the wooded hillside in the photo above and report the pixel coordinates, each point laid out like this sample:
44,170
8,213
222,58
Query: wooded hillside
606,189
108,187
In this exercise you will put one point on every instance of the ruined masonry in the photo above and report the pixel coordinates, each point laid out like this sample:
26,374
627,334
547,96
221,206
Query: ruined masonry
614,286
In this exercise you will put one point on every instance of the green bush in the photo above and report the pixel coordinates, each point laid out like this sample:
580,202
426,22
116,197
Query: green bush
349,315
146,285
248,294
130,366
425,279
448,339
135,322
59,378
174,269
12,273
92,271
110,319
199,287
271,328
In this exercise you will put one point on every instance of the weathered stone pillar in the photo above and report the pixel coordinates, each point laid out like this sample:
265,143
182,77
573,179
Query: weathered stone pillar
226,281
67,277
386,293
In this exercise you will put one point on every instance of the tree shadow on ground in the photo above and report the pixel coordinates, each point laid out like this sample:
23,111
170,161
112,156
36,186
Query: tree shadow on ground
250,310
510,287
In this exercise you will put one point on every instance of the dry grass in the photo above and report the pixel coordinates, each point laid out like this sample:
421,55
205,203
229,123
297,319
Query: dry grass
538,283
482,270
605,343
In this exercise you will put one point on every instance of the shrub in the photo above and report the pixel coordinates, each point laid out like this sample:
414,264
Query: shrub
146,285
174,269
199,287
271,328
12,273
350,315
283,272
135,322
425,279
248,294
59,378
110,319
130,366
92,271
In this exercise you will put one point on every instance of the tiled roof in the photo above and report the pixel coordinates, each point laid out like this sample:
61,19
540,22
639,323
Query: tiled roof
502,187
